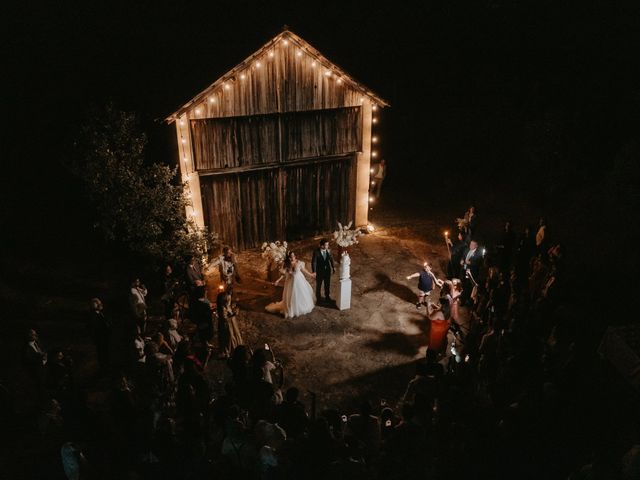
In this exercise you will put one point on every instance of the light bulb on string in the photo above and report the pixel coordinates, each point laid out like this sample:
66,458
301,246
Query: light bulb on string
242,76
374,154
258,64
299,53
271,54
313,64
198,111
212,99
374,139
285,42
227,86
375,120
374,108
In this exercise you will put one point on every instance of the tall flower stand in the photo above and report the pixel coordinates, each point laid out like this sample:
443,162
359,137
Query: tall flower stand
344,292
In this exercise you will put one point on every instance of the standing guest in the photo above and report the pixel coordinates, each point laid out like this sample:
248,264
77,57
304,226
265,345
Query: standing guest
200,313
526,250
506,246
426,280
138,349
194,274
170,283
228,267
163,345
366,428
378,178
173,337
35,358
456,293
541,235
472,223
138,302
323,266
100,328
471,261
229,336
291,414
457,251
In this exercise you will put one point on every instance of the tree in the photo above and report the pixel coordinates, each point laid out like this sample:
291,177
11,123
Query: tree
139,205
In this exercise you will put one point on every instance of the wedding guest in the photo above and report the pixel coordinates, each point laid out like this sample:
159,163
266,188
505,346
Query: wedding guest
173,336
541,235
200,313
471,262
472,223
229,336
170,283
163,345
228,267
100,329
366,428
194,274
138,303
35,358
291,414
506,246
457,251
426,281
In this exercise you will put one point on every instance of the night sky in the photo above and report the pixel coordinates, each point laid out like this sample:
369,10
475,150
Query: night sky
478,90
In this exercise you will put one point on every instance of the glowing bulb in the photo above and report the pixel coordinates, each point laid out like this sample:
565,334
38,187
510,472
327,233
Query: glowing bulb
339,81
285,42
374,139
313,64
183,141
371,171
299,53
182,122
374,154
212,99
258,64
374,108
227,86
372,183
371,199
243,76
198,111
361,99
375,120
271,54
327,73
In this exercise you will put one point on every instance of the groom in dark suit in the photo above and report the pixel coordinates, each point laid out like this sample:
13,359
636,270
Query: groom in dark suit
322,266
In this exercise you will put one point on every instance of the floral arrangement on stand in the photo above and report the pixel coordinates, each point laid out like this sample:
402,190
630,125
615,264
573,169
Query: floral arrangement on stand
345,236
275,251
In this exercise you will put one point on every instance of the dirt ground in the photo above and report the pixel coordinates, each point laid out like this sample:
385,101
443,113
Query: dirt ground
367,350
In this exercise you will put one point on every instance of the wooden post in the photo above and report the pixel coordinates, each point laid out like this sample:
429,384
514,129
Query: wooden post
187,166
363,168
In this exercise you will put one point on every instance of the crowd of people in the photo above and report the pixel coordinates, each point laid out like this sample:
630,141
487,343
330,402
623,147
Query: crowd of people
488,402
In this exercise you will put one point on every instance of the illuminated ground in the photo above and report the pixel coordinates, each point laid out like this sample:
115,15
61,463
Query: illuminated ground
366,350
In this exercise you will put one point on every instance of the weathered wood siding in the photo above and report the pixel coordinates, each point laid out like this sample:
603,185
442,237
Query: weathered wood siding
285,202
265,139
285,78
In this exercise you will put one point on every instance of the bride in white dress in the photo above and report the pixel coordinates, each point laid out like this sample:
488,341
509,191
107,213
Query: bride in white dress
297,297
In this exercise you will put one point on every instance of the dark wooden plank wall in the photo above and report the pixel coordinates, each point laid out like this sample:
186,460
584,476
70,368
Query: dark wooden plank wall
246,141
281,203
284,82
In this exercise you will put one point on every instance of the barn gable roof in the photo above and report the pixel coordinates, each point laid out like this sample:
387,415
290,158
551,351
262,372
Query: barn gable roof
303,46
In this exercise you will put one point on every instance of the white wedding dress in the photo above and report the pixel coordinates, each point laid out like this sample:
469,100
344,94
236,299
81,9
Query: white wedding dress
297,297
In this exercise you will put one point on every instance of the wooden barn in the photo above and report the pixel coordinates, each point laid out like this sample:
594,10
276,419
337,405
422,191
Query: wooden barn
279,147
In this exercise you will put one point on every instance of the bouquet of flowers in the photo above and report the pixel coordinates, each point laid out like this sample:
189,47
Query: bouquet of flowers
345,236
276,251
